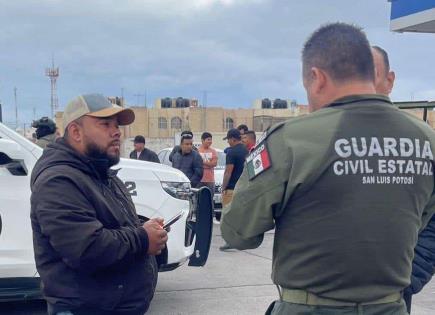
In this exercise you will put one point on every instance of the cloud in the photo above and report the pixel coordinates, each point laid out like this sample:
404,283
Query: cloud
237,50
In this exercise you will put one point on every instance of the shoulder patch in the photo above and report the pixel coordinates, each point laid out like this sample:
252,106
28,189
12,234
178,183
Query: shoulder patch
258,161
268,132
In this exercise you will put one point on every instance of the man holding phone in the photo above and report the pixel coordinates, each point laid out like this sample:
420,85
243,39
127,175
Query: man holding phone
92,252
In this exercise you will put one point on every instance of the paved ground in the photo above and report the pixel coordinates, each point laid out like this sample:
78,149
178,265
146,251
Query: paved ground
232,283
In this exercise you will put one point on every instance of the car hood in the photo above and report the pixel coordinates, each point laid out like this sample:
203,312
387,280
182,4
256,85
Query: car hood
163,172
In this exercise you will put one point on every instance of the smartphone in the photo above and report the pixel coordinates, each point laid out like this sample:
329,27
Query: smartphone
172,221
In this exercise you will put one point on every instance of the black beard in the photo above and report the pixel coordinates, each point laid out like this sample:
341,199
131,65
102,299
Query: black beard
95,152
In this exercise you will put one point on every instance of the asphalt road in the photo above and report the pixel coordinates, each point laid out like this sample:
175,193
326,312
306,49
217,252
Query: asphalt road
233,282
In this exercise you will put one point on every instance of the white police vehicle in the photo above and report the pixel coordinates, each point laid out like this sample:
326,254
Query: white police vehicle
218,176
157,191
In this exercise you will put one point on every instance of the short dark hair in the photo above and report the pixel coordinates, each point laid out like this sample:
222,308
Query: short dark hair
384,57
251,134
139,139
186,136
206,135
342,50
187,132
243,127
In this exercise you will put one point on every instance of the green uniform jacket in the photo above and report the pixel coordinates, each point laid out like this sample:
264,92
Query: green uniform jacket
45,140
347,189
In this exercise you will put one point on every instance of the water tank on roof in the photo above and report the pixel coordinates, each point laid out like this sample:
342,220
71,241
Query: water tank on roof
182,102
279,103
166,102
179,102
266,103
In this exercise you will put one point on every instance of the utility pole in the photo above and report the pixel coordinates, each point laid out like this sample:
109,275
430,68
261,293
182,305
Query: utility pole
138,98
204,98
34,113
145,98
122,97
16,108
204,109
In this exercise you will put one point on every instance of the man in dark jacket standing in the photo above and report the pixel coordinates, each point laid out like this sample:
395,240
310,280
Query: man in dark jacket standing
188,160
177,148
142,153
423,265
93,254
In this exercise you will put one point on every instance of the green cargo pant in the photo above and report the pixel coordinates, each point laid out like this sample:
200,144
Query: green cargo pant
285,308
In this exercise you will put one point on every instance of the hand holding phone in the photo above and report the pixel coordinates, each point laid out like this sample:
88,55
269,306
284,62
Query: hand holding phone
172,221
157,236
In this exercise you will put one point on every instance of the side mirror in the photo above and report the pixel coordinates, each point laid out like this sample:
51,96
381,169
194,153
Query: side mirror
12,158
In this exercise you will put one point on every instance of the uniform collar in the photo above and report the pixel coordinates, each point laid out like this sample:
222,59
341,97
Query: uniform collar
360,98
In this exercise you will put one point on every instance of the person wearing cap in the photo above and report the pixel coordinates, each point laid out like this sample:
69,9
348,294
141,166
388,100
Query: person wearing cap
234,164
243,130
93,254
142,153
45,132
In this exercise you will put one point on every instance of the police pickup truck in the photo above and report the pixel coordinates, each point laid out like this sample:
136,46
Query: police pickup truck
157,191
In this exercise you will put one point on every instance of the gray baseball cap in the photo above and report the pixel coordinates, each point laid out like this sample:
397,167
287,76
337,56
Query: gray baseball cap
96,105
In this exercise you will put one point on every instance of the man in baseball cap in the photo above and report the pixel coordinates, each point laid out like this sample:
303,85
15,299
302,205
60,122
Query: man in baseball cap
96,105
234,164
92,252
233,134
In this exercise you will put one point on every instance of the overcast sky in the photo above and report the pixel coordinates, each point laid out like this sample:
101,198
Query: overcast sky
237,50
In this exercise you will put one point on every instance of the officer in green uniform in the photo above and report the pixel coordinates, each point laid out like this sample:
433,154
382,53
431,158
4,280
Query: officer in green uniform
347,188
45,131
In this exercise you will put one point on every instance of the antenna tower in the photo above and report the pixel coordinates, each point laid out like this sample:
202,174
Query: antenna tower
53,74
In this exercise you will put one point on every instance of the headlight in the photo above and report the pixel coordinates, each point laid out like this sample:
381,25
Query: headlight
177,190
218,189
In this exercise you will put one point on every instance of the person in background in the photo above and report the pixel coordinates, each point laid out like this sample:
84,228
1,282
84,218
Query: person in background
209,159
423,265
235,161
249,139
242,128
177,148
45,131
188,161
142,153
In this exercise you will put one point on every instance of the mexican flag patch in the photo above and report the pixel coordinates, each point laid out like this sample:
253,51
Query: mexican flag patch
258,161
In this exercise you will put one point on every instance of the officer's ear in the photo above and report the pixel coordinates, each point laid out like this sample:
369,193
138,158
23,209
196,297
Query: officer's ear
391,76
318,80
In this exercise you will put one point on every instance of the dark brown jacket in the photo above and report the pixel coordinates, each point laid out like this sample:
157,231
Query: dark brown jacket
90,248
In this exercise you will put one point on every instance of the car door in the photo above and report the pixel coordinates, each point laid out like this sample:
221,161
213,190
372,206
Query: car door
16,245
201,224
